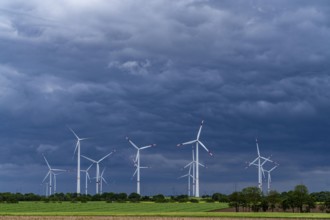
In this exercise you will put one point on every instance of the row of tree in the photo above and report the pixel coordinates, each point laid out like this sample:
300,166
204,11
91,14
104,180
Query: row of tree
248,199
108,197
296,200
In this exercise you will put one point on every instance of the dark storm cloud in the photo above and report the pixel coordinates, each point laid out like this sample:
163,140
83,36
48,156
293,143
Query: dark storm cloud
153,72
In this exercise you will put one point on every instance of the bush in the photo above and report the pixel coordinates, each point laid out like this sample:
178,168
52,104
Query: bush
194,200
209,200
134,197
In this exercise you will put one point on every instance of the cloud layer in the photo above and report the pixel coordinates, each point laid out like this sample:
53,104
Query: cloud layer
153,71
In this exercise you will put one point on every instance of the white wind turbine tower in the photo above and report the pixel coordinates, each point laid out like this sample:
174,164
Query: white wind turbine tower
98,169
137,162
259,161
197,141
86,178
77,148
269,176
47,188
50,173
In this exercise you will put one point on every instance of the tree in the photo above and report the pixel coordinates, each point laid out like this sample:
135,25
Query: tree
291,200
253,197
110,197
121,197
273,198
301,196
220,197
285,204
310,204
182,198
327,205
159,198
134,197
235,200
264,204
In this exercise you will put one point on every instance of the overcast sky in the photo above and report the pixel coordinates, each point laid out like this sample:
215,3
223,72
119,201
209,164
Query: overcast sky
153,70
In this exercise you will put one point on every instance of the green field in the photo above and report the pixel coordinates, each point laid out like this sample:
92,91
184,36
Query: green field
137,209
103,207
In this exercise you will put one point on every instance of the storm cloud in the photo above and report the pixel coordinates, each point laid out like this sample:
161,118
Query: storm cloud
153,71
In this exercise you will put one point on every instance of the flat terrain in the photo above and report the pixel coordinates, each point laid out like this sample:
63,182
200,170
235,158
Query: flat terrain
97,208
130,211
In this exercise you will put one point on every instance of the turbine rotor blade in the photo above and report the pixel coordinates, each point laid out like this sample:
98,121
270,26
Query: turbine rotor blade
200,129
102,172
94,161
257,147
183,176
201,165
104,180
253,162
59,170
272,169
131,142
105,157
145,147
46,176
189,164
89,167
136,158
263,172
73,133
135,172
205,148
267,159
47,162
75,149
189,142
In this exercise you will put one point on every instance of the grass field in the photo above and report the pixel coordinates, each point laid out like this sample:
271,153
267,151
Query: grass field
103,207
139,209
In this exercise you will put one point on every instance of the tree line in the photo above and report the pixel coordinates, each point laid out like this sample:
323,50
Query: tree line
248,199
296,200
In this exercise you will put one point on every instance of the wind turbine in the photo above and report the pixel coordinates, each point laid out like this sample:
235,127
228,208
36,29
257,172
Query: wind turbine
137,162
97,169
259,161
269,176
197,141
102,180
192,164
77,148
55,174
50,173
86,178
189,176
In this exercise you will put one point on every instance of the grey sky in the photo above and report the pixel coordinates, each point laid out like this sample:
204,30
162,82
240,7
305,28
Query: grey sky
153,70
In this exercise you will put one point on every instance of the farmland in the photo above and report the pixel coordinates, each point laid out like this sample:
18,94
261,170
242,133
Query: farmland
148,210
95,208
